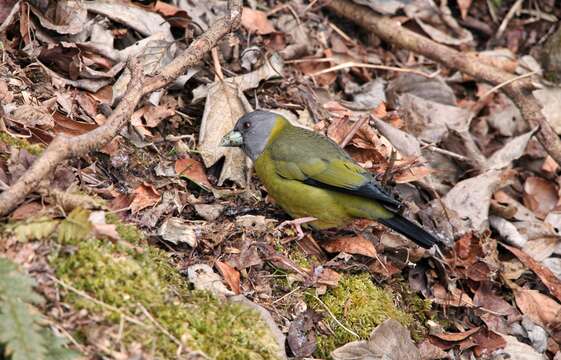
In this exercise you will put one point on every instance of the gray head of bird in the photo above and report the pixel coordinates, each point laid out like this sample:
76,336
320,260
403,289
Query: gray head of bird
252,132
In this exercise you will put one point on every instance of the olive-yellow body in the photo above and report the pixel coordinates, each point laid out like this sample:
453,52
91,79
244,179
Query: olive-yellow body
308,175
332,209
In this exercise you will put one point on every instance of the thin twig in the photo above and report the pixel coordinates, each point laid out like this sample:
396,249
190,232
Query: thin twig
509,81
159,326
216,61
352,64
98,302
445,152
341,33
334,318
357,125
509,15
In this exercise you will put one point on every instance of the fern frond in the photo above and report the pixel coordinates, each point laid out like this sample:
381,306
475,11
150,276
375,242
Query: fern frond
21,337
19,332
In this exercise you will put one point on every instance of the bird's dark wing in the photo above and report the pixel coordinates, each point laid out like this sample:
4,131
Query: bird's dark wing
317,161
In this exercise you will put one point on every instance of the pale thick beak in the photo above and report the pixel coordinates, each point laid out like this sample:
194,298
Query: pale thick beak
232,139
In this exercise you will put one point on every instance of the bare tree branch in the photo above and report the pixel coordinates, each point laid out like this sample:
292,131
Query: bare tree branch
520,91
64,147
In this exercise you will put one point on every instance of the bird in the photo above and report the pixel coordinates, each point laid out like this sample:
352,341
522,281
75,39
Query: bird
314,180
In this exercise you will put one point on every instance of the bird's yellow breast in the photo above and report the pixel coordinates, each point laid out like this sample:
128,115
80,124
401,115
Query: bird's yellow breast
301,200
332,209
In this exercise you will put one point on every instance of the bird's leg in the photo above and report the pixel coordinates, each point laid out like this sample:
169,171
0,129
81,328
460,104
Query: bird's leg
297,223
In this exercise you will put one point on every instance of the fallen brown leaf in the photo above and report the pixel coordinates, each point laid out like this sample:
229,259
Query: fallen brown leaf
328,278
540,196
145,195
540,308
459,336
390,341
486,342
456,297
26,211
230,274
194,171
256,22
351,245
546,276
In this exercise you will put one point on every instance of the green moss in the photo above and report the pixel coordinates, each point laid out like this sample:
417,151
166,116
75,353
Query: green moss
360,306
410,302
301,259
19,143
127,232
132,281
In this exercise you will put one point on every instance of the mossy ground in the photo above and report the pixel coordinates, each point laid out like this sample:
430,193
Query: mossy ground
139,282
361,306
20,144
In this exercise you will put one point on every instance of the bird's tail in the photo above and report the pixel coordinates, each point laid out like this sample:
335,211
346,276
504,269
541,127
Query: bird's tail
410,230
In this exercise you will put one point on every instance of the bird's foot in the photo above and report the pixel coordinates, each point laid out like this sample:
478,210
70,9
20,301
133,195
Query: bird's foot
297,223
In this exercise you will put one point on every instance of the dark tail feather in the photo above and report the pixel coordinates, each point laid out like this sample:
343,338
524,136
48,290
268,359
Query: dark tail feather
410,230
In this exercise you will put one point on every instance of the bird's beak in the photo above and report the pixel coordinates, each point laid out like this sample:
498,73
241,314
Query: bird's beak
232,139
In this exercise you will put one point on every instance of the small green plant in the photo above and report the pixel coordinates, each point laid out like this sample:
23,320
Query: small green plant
21,335
359,306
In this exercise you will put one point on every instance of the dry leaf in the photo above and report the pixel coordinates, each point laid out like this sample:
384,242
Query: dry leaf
540,196
550,100
33,116
194,171
256,22
301,335
470,199
517,350
351,245
101,229
512,150
225,104
327,277
273,68
429,120
507,230
545,275
209,212
144,196
456,297
540,308
389,341
176,231
204,278
410,174
26,210
230,274
432,89
457,336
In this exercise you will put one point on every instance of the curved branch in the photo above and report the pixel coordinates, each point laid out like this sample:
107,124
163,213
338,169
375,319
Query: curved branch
64,147
520,91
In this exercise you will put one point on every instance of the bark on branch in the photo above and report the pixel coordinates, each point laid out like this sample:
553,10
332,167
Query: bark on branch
64,147
519,91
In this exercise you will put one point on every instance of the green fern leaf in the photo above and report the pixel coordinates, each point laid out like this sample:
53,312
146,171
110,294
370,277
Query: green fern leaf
18,332
21,337
36,229
14,285
56,349
75,227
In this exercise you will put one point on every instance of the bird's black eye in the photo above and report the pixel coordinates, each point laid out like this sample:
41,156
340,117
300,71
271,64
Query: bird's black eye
246,125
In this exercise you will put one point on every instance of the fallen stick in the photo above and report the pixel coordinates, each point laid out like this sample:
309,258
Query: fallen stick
519,90
65,147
